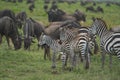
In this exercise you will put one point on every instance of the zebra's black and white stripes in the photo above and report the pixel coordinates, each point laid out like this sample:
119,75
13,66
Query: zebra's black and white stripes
109,41
54,45
78,40
57,47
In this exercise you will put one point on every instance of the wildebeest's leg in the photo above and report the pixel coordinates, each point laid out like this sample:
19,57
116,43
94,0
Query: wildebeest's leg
7,38
46,51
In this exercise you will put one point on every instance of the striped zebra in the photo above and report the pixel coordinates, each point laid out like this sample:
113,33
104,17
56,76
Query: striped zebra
109,40
56,48
78,40
71,33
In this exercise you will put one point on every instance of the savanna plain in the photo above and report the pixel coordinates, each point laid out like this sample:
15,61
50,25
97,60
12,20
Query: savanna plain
30,65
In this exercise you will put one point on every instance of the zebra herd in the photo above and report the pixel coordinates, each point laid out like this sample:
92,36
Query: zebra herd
78,43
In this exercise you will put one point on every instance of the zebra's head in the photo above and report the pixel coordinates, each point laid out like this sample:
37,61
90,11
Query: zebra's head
42,39
64,32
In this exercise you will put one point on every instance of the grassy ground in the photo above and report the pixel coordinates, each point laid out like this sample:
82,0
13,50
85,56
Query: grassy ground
30,65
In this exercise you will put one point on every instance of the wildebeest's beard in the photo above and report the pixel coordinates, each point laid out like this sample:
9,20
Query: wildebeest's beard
17,42
19,24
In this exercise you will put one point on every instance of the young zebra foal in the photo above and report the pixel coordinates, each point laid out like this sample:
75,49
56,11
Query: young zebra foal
55,46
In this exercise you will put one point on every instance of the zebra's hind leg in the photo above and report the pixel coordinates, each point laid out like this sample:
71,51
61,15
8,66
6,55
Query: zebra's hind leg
63,59
87,64
110,61
72,58
54,60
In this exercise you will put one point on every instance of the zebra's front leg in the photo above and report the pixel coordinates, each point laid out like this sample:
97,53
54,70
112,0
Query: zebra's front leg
54,59
63,59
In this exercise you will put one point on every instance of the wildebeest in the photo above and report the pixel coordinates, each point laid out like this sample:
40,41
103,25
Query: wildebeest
20,0
100,9
31,7
80,16
90,8
55,15
52,29
29,1
8,12
21,18
46,1
9,30
28,30
31,29
59,15
45,7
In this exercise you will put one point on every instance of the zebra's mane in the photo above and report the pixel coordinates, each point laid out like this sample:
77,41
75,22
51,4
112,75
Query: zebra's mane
101,21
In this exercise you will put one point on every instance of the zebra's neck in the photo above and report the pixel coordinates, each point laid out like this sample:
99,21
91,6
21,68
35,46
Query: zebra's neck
71,34
102,31
53,44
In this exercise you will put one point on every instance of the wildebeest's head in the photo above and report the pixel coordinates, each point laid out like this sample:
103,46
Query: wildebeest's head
80,16
27,42
21,18
17,42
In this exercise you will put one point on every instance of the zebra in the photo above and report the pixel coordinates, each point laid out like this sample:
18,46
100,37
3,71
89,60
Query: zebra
55,46
78,40
109,40
73,32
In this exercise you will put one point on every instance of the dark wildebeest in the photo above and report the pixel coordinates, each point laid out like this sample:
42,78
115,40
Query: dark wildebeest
21,18
20,0
9,30
99,9
59,15
34,29
54,15
9,13
46,1
28,30
31,7
90,8
45,7
108,4
29,1
83,3
80,16
14,1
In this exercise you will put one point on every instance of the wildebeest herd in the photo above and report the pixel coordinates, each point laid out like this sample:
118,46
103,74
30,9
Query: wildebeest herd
64,33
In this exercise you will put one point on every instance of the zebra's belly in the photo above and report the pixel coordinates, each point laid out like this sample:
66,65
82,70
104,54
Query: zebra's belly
112,49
